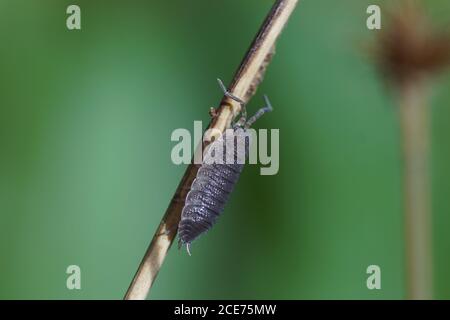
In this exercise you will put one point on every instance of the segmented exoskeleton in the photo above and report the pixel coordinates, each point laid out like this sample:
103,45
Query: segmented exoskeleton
214,181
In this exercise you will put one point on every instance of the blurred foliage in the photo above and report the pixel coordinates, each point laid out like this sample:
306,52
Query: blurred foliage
85,125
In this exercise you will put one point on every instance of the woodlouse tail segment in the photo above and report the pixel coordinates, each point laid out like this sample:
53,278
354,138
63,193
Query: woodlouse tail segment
188,246
260,112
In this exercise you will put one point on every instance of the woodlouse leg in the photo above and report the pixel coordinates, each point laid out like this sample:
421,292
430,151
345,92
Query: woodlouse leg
260,112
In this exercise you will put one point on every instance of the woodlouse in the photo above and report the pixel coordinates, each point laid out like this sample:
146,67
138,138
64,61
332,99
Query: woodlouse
214,181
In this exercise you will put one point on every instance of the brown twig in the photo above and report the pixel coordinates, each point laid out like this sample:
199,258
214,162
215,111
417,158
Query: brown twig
414,123
244,85
410,53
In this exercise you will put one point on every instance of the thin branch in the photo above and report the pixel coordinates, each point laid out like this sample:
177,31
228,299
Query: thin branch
411,55
244,85
414,118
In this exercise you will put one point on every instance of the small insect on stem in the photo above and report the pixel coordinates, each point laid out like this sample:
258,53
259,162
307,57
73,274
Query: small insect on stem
217,175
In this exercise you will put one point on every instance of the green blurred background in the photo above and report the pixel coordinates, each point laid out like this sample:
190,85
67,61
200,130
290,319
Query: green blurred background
86,118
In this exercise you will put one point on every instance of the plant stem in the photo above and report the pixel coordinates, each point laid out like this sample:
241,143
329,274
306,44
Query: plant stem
414,117
244,85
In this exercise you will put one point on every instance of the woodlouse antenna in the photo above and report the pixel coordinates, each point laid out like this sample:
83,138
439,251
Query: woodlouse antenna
228,94
260,112
243,117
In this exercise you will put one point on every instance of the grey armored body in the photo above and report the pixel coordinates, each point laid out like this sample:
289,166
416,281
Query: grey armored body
219,172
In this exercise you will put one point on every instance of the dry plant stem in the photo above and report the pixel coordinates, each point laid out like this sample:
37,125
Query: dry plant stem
244,84
414,116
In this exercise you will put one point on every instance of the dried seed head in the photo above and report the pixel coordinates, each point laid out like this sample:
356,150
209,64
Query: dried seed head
408,47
